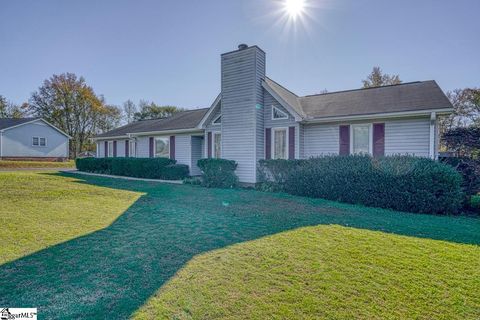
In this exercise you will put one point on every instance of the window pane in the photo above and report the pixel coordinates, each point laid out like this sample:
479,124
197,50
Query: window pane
162,147
217,148
131,151
280,144
278,114
35,141
110,149
361,139
43,142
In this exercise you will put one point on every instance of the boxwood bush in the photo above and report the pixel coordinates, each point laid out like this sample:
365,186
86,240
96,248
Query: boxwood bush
152,168
218,173
402,183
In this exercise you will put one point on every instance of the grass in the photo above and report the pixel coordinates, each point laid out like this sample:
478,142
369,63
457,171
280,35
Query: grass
109,248
11,164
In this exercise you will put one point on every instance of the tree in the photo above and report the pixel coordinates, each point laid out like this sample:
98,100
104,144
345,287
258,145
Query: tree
70,104
129,110
377,79
466,109
11,110
154,111
465,141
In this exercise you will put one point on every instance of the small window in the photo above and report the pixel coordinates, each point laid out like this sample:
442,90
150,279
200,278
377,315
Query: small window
361,139
217,145
131,149
218,120
43,142
278,114
35,141
162,147
110,148
39,141
279,144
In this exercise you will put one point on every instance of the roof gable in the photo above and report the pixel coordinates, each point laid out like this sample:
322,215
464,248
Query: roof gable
10,123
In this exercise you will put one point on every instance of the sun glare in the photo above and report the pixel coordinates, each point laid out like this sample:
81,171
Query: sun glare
294,8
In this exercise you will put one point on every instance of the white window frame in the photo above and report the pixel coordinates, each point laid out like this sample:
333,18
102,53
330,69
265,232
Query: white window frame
39,144
110,149
272,144
285,115
214,133
132,146
370,136
214,122
155,146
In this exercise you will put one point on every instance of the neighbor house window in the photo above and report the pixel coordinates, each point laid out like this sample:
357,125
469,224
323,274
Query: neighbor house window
162,147
39,141
218,120
217,145
110,148
132,149
278,114
279,144
361,137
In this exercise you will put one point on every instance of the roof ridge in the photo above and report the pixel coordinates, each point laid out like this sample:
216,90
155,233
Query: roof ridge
360,89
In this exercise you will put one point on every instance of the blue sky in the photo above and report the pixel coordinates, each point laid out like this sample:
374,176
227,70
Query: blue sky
169,51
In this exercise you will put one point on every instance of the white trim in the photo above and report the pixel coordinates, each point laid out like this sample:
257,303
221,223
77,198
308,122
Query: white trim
150,133
370,136
284,104
431,149
285,116
209,112
374,116
272,141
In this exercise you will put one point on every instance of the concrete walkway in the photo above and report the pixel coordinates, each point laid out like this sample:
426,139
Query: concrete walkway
121,177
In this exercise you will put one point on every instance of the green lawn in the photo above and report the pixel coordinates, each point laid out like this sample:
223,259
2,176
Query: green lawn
9,164
83,246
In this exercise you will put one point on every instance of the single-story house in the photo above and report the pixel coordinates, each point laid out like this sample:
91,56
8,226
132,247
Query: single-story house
256,118
32,139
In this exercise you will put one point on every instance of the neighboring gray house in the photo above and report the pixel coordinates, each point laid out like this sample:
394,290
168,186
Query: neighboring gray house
255,118
32,138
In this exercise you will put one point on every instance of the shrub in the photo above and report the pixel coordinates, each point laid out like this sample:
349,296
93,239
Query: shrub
273,173
218,173
475,202
402,183
152,168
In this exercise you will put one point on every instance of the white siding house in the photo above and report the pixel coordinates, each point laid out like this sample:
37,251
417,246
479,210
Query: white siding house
256,118
32,138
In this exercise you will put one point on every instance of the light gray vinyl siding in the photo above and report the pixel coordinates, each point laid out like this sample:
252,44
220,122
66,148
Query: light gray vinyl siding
271,102
410,136
242,73
197,154
100,149
17,142
320,139
120,148
183,149
301,144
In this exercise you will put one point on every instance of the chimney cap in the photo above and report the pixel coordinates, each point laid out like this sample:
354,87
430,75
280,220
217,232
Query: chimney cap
242,46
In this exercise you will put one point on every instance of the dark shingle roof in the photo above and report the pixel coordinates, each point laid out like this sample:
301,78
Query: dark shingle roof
412,96
10,122
182,120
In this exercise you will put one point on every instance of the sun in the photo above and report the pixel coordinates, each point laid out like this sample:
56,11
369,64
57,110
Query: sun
294,8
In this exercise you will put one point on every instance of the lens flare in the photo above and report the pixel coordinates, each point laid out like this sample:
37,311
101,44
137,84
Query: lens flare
294,8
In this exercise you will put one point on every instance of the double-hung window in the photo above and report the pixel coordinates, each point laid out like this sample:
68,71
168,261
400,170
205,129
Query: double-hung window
217,145
162,147
39,141
361,139
110,149
132,148
280,143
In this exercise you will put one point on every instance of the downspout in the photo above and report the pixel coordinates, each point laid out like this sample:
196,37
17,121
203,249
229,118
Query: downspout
433,139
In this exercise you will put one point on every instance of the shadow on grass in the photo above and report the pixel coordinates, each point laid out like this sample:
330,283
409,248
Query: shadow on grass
112,272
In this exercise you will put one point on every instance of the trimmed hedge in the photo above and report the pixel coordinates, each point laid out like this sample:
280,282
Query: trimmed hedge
218,173
403,183
152,168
